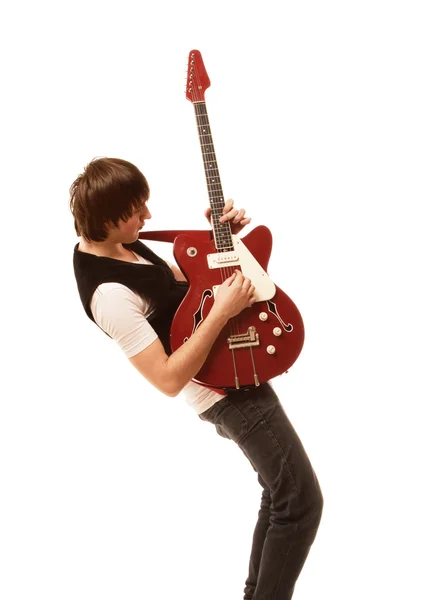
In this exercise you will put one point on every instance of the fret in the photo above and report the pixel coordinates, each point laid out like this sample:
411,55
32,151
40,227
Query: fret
222,231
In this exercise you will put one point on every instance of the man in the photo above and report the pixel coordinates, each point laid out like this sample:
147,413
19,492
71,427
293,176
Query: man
132,295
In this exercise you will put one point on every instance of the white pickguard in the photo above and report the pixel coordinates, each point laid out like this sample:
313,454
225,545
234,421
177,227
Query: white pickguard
265,289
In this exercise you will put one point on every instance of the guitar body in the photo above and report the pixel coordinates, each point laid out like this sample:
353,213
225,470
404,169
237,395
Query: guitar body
260,343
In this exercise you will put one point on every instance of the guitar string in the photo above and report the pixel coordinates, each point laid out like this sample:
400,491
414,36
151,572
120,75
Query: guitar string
224,271
233,323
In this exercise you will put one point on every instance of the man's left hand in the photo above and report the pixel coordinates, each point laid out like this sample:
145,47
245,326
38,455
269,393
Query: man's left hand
236,217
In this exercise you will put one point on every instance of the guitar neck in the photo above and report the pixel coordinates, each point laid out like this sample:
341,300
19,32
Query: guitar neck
222,231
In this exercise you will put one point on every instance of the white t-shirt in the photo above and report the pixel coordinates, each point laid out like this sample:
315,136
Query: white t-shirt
123,314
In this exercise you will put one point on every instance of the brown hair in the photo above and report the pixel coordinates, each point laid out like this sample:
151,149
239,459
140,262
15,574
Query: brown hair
109,189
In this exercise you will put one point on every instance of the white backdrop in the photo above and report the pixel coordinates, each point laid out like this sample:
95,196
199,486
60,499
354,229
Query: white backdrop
110,490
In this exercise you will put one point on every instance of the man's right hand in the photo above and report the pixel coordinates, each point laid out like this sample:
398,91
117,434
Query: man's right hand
233,295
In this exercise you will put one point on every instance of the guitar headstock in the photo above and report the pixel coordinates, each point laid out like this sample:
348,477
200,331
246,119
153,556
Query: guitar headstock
197,78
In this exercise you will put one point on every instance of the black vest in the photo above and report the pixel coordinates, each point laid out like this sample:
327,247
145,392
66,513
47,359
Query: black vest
156,282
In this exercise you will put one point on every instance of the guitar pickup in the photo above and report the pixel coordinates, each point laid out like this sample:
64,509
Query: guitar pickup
223,259
244,340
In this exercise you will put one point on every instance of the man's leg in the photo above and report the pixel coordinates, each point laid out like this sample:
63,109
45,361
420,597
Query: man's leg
258,539
256,421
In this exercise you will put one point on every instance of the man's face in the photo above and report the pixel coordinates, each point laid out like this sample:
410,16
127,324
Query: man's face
128,231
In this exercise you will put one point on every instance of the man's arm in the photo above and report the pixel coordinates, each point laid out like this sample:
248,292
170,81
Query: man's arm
120,313
169,374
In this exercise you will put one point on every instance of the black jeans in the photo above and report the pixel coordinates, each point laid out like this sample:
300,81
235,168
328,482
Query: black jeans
291,502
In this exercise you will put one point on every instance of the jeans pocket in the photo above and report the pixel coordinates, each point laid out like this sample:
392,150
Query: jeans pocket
222,432
229,421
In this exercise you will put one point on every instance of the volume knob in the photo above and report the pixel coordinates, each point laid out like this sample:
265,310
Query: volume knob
271,349
263,316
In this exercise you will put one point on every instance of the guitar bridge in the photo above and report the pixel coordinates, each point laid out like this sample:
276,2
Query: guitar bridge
244,340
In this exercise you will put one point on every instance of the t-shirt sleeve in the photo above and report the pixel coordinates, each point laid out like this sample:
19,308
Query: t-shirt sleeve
120,313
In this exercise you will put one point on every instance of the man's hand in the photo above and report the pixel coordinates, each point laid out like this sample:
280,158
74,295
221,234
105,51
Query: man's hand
235,216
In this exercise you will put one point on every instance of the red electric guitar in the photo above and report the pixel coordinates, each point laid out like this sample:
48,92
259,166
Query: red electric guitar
263,341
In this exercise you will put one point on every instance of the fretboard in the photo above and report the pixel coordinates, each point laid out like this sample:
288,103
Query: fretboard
222,231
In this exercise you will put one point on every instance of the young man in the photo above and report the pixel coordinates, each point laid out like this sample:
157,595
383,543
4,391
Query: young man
132,295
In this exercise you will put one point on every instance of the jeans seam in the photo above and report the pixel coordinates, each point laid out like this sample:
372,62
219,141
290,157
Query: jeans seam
272,435
282,569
